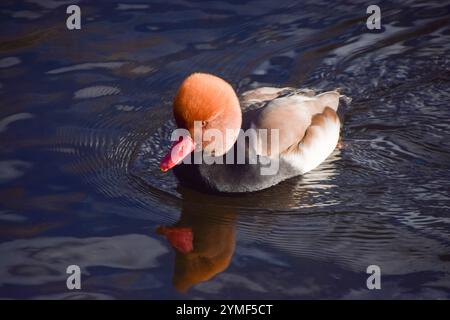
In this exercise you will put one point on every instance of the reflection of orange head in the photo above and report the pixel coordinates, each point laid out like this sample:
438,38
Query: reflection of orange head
203,248
213,250
203,237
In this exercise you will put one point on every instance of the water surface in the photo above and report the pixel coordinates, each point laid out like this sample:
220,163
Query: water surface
86,117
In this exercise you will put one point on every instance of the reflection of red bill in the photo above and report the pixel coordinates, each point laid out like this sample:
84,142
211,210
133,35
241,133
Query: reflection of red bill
177,153
180,238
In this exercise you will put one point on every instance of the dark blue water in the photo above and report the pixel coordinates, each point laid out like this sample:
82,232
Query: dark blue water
85,117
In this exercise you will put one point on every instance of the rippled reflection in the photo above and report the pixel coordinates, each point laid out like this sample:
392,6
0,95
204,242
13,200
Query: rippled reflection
203,246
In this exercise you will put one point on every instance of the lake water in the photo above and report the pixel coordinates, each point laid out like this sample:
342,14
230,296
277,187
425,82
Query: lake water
85,118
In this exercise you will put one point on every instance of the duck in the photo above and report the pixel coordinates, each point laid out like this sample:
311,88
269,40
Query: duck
292,131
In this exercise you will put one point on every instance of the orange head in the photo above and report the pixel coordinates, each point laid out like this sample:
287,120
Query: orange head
208,108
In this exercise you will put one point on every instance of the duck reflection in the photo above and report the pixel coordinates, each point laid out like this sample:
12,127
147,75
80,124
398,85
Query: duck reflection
204,239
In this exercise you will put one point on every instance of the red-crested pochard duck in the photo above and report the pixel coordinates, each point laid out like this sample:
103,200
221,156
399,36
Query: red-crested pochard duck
302,131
